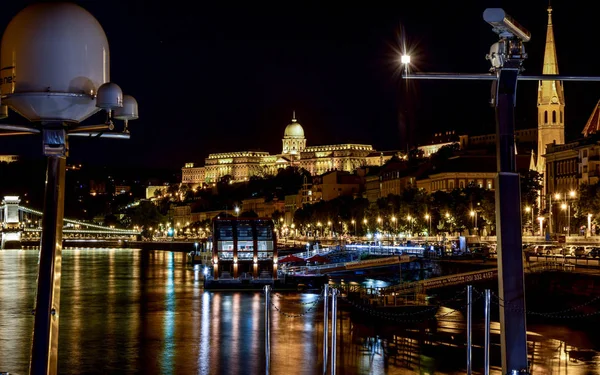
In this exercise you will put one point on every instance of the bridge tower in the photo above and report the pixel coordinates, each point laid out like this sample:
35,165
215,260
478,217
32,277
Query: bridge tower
11,223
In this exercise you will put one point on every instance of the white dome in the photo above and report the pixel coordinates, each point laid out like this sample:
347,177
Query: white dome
294,130
54,57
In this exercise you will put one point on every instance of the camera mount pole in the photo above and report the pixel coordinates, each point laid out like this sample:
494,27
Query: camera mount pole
511,281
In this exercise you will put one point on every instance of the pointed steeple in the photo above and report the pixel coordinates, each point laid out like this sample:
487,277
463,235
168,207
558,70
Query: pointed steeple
294,116
593,124
550,91
532,162
550,61
551,101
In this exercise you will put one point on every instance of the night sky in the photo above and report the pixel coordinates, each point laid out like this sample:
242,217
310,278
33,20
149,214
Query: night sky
217,78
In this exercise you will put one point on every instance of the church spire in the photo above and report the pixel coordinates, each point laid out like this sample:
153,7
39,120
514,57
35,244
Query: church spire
550,92
550,61
551,101
532,165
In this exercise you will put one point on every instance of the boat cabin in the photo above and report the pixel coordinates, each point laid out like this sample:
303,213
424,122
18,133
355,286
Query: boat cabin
244,248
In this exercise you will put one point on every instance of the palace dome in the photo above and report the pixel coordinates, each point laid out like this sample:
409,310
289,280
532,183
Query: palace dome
294,129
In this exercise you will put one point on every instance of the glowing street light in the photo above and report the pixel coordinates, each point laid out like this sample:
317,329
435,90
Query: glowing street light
529,209
541,220
405,59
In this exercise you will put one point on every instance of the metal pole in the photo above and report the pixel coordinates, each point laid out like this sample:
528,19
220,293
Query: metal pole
267,328
508,227
325,326
44,349
569,219
469,326
486,357
334,294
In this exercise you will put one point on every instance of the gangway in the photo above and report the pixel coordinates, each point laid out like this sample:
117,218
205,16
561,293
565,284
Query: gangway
354,265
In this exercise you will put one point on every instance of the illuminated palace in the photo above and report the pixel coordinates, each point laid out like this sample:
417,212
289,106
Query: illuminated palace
242,165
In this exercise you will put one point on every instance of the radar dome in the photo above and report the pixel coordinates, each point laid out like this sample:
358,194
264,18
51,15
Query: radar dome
294,130
53,58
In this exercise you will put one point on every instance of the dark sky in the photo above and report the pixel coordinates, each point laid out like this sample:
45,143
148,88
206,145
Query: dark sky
217,78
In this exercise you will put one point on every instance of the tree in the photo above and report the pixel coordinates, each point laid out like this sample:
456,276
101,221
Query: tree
445,152
531,185
588,202
277,216
146,215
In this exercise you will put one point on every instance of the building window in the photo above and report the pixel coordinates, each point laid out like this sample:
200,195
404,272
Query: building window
561,120
545,117
554,117
585,153
585,169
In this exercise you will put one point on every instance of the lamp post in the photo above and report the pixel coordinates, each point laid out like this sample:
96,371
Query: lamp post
428,218
474,216
529,209
354,223
365,221
567,207
541,220
56,98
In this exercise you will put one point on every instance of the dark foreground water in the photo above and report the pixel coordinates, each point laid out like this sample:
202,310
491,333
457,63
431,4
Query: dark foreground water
134,312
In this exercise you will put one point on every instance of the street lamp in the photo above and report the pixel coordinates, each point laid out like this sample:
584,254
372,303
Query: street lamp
428,218
56,74
567,206
474,216
530,209
237,211
354,223
541,219
409,218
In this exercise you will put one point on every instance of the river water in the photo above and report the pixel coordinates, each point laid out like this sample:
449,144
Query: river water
129,311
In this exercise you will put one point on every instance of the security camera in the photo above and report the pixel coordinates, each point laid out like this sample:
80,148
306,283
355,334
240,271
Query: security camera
504,25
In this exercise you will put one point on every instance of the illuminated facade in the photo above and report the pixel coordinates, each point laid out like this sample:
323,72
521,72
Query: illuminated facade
317,160
8,158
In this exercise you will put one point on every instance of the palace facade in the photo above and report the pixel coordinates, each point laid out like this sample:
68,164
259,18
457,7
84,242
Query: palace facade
317,160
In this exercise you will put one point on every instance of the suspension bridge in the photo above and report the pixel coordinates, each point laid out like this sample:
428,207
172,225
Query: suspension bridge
20,223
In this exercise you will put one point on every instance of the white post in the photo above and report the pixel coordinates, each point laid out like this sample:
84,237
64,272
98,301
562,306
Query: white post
334,294
469,326
486,358
325,326
267,328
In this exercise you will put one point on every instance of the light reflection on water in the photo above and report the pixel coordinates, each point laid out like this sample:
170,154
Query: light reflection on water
134,312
